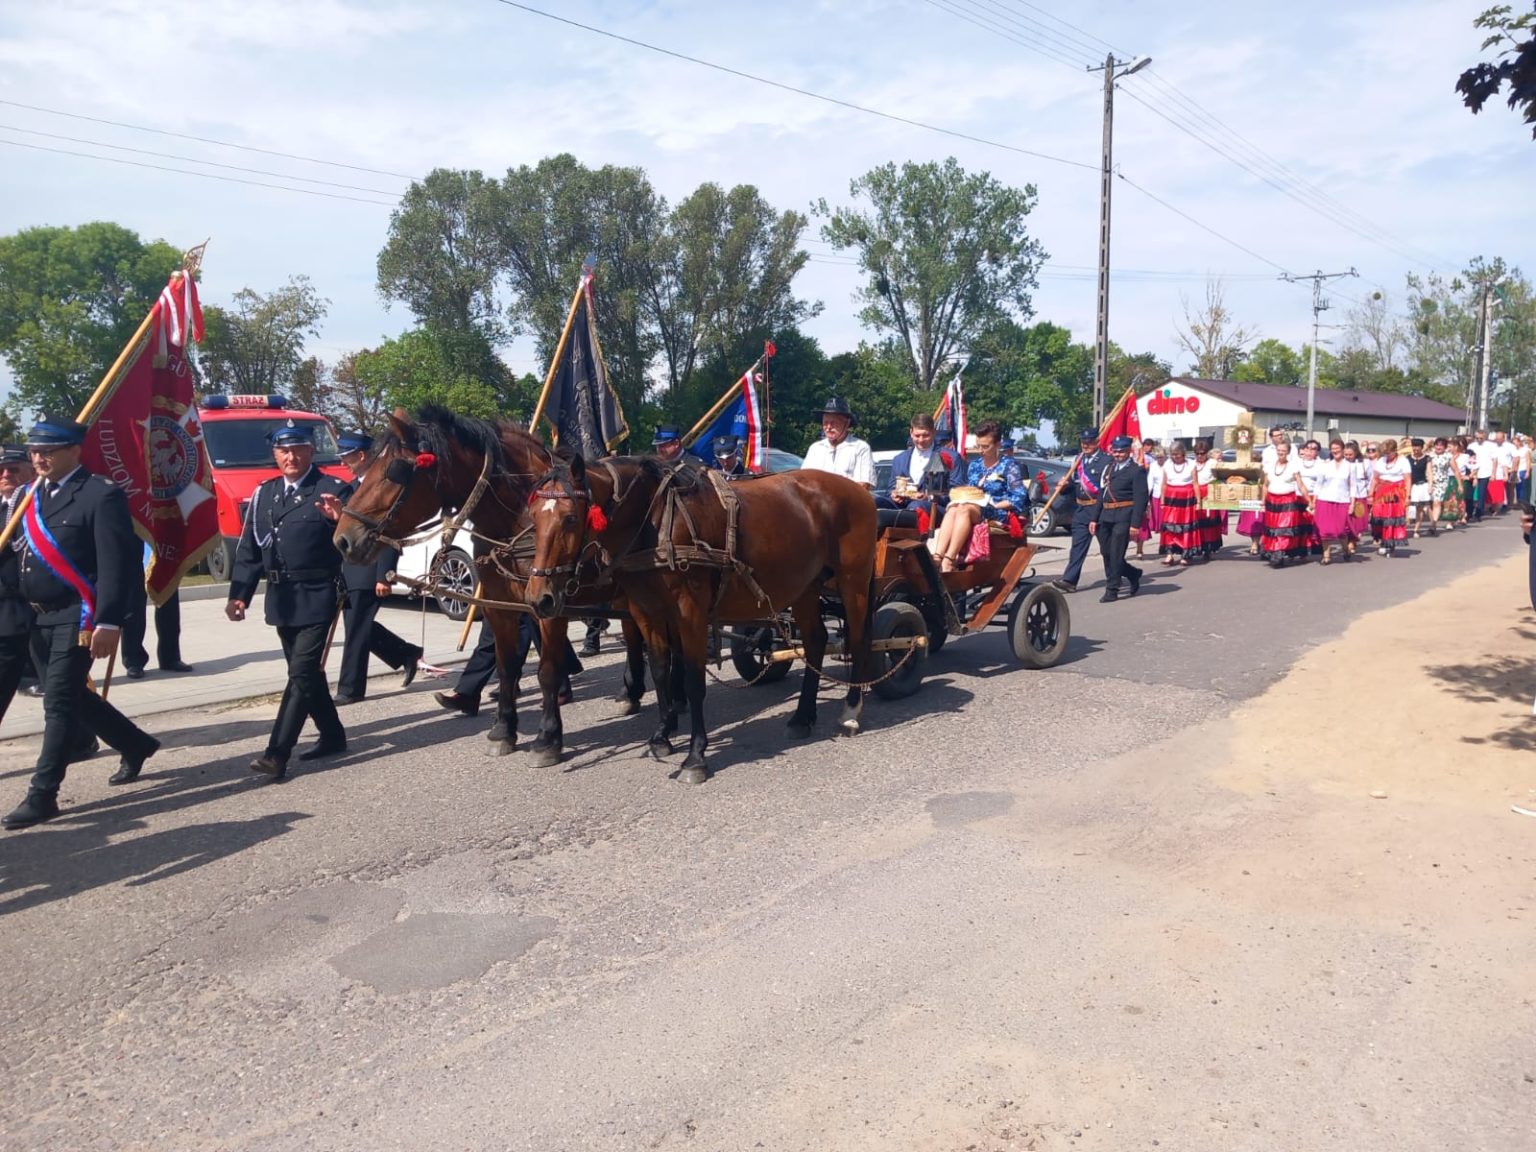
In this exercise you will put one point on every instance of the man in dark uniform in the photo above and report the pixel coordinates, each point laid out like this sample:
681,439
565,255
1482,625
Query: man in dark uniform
1118,514
167,632
286,540
78,569
1083,488
16,613
727,450
366,586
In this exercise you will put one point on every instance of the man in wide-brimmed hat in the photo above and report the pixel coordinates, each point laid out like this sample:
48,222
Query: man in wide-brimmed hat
837,451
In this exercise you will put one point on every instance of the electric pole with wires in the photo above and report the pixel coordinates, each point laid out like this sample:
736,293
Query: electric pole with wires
1320,304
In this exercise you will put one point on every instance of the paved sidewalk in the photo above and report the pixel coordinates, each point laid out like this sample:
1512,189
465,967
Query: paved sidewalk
236,662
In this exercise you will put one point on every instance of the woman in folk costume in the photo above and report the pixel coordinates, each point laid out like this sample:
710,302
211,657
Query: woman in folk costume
1311,465
1152,460
1452,500
1285,509
1333,494
1359,509
1181,508
1389,498
1213,522
1251,524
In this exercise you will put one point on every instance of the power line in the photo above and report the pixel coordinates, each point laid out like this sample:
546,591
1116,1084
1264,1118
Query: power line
781,86
186,172
984,21
205,140
192,160
1083,34
1205,227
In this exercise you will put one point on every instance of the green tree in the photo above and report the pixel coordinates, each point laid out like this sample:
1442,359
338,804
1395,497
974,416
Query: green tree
1024,376
946,254
724,268
797,385
877,383
70,299
257,344
555,215
444,253
1273,362
409,371
1515,37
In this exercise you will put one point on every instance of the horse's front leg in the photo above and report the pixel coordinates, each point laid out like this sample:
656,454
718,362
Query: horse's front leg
549,745
813,637
660,743
511,651
858,603
634,668
692,654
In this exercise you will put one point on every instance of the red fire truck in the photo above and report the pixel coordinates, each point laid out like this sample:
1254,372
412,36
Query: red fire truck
235,428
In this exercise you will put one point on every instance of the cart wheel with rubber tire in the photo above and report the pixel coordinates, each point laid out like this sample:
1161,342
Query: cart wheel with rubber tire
455,571
749,654
1039,626
897,621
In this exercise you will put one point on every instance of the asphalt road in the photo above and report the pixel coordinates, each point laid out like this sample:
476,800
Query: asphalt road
912,939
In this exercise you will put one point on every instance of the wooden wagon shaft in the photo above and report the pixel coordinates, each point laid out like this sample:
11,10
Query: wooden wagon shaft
894,644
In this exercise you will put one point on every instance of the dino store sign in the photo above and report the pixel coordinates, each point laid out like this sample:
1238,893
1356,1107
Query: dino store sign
1164,403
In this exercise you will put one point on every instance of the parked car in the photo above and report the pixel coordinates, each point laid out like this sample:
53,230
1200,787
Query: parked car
1044,476
455,570
778,460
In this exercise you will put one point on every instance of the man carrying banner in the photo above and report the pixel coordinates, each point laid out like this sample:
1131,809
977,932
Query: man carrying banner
78,567
1082,484
287,541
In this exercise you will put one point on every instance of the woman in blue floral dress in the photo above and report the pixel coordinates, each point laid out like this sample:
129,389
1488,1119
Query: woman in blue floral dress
1004,493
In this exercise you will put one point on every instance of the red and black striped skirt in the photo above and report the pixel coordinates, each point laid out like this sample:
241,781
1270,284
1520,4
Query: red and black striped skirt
1288,529
1181,519
1389,522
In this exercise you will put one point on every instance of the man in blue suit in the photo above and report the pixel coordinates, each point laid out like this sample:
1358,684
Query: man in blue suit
922,475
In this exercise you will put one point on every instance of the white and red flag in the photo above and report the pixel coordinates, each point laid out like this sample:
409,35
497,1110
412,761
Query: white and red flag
147,439
949,417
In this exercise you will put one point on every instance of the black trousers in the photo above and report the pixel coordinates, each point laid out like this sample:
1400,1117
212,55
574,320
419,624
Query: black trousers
307,695
1113,539
366,635
69,708
15,657
167,633
1081,538
481,666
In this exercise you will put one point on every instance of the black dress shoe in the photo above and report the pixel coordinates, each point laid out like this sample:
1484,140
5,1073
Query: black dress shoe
591,646
456,703
37,807
176,666
270,765
1063,586
343,701
85,751
410,669
134,673
323,749
1134,576
129,767
1109,597
36,691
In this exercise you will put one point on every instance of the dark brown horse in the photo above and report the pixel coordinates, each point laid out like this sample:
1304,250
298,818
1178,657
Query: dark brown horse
440,464
667,535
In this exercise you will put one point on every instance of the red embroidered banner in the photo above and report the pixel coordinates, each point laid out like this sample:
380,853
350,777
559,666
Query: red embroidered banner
149,442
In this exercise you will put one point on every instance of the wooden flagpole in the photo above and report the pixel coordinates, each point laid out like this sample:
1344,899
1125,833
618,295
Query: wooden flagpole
1067,475
469,619
554,363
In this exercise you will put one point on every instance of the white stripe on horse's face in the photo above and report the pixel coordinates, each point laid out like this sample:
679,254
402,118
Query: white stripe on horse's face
549,505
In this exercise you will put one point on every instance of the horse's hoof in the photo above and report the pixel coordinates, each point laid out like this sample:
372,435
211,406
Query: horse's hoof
849,728
504,748
498,732
543,757
800,729
658,749
694,775
628,707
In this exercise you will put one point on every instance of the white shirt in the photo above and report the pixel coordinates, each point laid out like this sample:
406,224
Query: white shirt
1267,457
1463,464
1391,471
1182,475
1154,480
920,460
1334,482
1362,478
1523,458
851,458
1206,472
1485,454
1311,469
1506,460
1281,480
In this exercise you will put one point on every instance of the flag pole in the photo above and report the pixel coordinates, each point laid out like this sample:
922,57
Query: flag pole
730,394
103,391
469,620
1067,475
554,363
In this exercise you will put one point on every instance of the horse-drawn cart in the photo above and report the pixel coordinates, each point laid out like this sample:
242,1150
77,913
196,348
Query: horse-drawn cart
917,608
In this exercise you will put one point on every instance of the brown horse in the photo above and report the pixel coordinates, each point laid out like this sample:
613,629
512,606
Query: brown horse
444,462
666,534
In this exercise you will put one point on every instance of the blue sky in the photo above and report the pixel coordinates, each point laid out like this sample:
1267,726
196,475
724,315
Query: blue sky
1355,100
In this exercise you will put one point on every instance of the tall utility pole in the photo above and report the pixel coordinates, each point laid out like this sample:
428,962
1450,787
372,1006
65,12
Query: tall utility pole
1482,383
1320,304
1113,70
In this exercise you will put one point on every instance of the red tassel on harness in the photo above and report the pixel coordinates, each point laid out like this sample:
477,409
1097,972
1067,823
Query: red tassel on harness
426,460
596,521
924,521
1015,527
